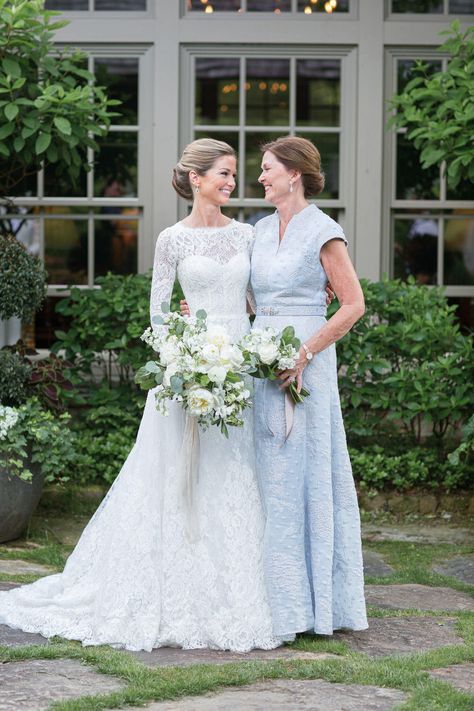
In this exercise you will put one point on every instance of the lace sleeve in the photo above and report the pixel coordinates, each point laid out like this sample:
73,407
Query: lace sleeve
250,295
164,273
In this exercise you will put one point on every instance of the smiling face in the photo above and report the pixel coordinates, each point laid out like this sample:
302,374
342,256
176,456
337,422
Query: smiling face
218,183
275,178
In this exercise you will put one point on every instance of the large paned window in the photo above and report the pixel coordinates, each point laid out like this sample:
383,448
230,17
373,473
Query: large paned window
308,7
432,226
248,100
432,7
84,230
97,5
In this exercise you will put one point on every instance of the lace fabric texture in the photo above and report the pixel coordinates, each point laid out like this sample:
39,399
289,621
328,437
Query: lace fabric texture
134,580
312,544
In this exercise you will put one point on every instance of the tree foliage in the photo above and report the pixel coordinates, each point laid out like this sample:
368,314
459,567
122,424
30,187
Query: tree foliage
51,111
22,280
438,109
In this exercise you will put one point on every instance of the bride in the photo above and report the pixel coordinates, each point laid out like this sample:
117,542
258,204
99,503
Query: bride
135,579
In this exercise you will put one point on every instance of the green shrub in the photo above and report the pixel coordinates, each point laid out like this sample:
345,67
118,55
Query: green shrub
43,436
405,364
22,280
15,375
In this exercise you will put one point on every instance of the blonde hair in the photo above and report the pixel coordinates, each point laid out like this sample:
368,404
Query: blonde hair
199,156
299,154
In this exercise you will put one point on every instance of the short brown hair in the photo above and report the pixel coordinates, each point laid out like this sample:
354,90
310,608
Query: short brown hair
200,156
299,154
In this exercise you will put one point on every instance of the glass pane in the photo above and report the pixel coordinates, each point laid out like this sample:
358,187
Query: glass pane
414,183
115,243
26,231
328,147
47,321
57,184
318,92
115,167
459,250
118,5
267,92
310,6
213,5
414,6
416,248
464,191
67,5
230,137
405,70
461,7
253,161
65,250
275,6
120,77
464,312
26,186
217,91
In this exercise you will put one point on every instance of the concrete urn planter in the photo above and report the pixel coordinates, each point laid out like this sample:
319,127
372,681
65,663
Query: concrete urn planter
18,501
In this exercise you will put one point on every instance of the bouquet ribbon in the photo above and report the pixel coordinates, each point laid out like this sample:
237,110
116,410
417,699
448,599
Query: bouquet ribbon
190,453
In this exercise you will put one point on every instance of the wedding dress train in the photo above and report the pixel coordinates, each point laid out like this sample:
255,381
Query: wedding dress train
134,579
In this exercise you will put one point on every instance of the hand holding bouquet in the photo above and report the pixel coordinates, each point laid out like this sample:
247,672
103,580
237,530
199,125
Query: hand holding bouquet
267,352
197,366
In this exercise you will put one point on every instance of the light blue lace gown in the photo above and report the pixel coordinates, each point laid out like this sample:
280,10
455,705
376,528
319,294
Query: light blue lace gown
312,547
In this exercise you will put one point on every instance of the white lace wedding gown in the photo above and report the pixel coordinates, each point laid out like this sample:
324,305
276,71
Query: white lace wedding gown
134,580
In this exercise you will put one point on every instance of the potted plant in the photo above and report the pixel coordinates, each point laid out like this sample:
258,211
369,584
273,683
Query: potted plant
36,445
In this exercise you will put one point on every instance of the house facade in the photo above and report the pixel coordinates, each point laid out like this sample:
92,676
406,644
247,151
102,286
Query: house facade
247,71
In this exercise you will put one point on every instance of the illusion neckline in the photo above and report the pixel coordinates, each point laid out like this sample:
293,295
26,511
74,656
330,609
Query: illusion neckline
206,227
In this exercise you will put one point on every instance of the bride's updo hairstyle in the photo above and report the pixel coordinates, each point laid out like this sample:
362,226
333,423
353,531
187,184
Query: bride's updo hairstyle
199,156
299,154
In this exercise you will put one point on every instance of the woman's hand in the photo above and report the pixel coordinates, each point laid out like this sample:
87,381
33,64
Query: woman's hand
184,308
329,294
294,375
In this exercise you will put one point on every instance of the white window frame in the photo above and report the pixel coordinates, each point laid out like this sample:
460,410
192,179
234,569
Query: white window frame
347,130
292,14
390,202
441,17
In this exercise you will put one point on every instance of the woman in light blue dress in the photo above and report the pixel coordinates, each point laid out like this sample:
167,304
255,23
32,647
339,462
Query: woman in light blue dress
312,547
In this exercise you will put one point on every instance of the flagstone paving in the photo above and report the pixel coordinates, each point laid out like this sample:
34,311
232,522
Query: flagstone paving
20,567
169,656
461,568
421,597
375,566
285,694
33,685
402,635
461,676
418,532
17,638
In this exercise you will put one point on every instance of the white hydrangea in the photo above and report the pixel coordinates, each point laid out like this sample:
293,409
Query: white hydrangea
8,419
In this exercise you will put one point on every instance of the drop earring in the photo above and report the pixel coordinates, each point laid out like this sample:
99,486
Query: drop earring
291,187
197,188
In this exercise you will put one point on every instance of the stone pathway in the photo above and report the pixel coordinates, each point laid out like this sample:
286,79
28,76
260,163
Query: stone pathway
285,695
45,681
461,568
461,676
34,685
402,635
421,597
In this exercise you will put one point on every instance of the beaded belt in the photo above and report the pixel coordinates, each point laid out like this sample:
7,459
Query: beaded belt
292,310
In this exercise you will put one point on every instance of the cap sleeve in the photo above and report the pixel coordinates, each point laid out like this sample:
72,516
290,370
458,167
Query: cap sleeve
329,230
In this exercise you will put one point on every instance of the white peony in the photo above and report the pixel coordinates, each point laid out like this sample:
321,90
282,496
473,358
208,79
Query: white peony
200,401
268,352
217,335
217,373
231,356
210,353
169,351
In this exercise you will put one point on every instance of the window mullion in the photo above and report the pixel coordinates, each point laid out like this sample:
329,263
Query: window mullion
242,116
292,95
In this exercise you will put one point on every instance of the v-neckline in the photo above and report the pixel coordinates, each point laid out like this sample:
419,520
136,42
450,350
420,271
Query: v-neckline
280,241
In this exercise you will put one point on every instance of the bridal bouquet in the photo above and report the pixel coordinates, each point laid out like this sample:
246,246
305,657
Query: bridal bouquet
267,352
197,366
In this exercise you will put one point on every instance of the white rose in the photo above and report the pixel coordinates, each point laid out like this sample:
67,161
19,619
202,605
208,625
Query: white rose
200,401
232,356
217,373
217,335
268,352
169,351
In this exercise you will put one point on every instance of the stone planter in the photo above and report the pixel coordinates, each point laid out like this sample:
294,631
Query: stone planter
18,501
